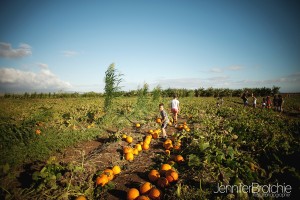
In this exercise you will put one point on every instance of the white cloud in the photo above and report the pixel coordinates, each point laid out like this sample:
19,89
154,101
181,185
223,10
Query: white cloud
217,78
6,50
216,70
193,83
291,78
14,80
223,69
42,65
70,53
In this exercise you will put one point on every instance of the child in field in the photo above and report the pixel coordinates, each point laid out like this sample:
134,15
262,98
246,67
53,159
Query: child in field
263,105
175,109
268,102
220,101
164,120
254,101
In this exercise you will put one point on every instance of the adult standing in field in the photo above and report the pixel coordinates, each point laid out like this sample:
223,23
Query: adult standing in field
280,103
175,108
275,102
245,99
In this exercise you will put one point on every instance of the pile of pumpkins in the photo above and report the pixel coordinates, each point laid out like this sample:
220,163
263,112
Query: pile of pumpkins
158,179
129,152
183,126
107,175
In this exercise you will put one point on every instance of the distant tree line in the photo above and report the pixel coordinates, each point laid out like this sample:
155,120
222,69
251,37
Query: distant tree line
200,92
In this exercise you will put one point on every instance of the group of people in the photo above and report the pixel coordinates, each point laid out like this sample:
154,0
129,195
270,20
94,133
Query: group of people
175,108
277,102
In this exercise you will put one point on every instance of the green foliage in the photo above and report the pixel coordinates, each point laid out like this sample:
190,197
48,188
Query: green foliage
157,94
112,82
142,96
230,141
113,75
194,161
226,144
58,180
141,107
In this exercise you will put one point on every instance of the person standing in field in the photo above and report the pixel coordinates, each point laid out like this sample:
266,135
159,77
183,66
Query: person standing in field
268,102
245,99
263,105
280,103
164,120
254,101
275,102
175,109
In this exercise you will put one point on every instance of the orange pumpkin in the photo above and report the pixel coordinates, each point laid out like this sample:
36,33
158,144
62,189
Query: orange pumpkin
158,120
138,147
164,168
154,194
132,194
102,180
135,151
145,187
116,169
171,176
147,141
168,146
109,173
179,159
155,135
143,197
162,182
127,149
81,197
153,175
145,146
129,139
129,156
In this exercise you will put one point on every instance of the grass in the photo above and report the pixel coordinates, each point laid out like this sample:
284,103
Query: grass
225,141
62,123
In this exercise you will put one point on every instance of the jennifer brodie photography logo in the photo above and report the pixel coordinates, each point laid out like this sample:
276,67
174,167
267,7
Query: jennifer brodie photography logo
257,190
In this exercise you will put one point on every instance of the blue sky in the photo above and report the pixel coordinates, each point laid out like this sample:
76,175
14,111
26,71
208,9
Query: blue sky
64,45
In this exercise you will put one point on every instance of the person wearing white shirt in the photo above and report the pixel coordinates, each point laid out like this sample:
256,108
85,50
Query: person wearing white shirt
175,109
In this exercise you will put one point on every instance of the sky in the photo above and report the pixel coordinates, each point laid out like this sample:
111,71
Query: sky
67,45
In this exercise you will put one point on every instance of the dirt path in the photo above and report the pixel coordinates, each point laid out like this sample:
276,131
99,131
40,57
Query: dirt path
102,154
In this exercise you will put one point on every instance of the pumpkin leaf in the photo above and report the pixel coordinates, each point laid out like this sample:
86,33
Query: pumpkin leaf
230,152
194,161
203,145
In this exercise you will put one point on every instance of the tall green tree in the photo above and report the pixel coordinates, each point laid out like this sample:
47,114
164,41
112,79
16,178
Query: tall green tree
112,85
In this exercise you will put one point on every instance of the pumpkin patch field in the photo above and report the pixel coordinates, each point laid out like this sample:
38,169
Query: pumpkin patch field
71,148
